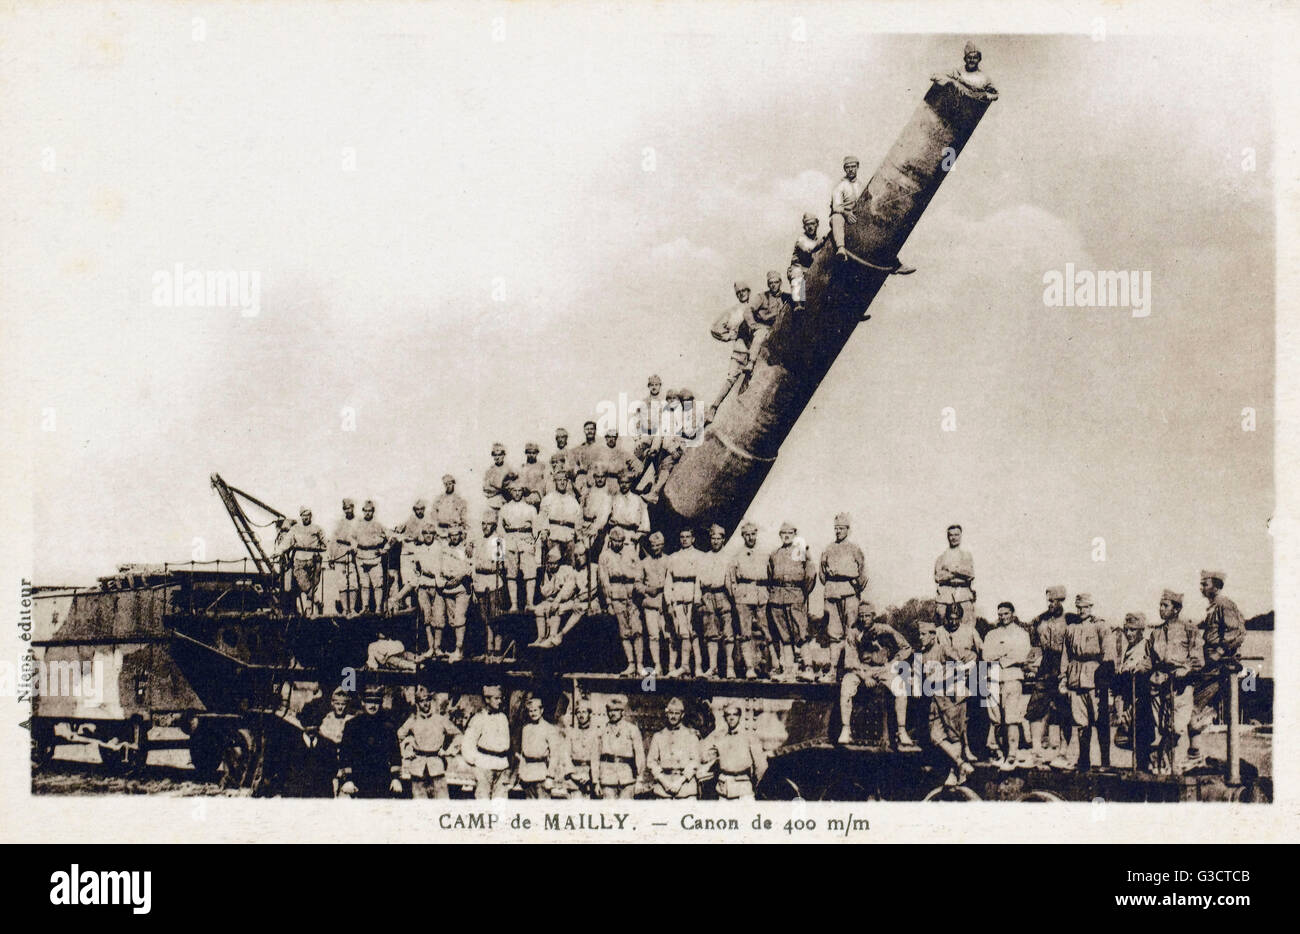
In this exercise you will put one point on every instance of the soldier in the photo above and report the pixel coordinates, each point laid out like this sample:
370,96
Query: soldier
490,579
650,594
424,559
619,572
596,505
425,740
675,756
717,617
1132,685
947,713
670,445
682,598
369,759
876,654
1223,632
540,752
1112,650
556,591
628,512
370,539
586,458
325,737
1084,650
954,573
497,477
957,649
801,259
559,518
746,583
586,595
971,76
532,475
737,754
1049,710
450,509
1177,657
732,327
519,529
410,534
455,581
619,754
763,314
791,575
614,457
486,746
844,578
580,751
386,652
651,407
564,460
341,579
305,545
1006,652
843,200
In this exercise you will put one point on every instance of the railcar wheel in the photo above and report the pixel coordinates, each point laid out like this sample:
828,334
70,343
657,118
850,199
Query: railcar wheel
128,760
238,759
951,793
42,747
1040,796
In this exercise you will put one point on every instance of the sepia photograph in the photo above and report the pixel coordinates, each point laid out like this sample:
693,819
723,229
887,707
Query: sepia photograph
654,407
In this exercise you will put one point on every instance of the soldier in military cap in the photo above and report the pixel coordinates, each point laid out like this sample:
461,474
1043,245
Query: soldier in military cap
490,579
732,327
717,615
455,580
682,598
555,593
597,502
486,746
620,570
844,578
584,600
369,758
564,460
450,509
541,750
410,534
620,754
497,477
1084,650
628,512
585,458
305,545
650,594
1131,685
1005,651
746,582
426,741
560,518
844,200
323,738
791,575
580,751
519,529
1222,632
1050,720
875,653
956,650
763,314
371,540
424,581
675,758
651,407
1177,658
532,475
737,755
614,456
341,570
801,259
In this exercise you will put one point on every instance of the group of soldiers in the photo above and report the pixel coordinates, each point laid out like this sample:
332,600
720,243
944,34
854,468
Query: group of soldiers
371,754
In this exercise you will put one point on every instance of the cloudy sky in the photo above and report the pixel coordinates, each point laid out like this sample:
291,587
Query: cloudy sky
476,223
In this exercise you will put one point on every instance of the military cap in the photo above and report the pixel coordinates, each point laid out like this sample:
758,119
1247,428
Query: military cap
583,704
491,689
654,378
742,287
1135,621
748,526
675,702
842,518
599,471
1083,599
498,448
561,431
1056,592
1172,596
851,160
729,706
717,528
616,534
588,422
788,527
448,478
611,432
348,504
488,518
368,504
340,691
809,216
616,701
420,504
866,607
374,692
553,554
772,274
422,691
970,49
671,394
532,448
685,395
656,537
1216,575
306,511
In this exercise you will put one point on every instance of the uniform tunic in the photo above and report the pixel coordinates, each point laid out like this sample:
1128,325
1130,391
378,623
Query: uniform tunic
557,591
650,592
872,655
740,759
596,504
846,194
619,573
422,740
1087,646
369,755
1224,630
1008,648
628,512
580,749
621,754
746,580
450,511
675,753
843,573
682,590
540,749
487,740
717,619
790,580
947,588
494,484
518,526
532,478
560,516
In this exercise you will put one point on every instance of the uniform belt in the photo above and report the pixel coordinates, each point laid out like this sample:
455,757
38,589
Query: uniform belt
428,755
579,761
841,577
621,580
490,752
528,758
631,526
683,577
729,772
672,771
748,580
522,528
654,593
713,588
564,522
610,757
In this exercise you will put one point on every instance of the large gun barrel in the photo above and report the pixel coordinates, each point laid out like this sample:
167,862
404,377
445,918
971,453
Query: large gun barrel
717,479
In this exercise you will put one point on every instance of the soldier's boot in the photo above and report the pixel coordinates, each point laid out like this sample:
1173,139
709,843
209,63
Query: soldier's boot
540,618
458,649
747,653
729,668
837,655
788,670
1085,748
1013,748
630,654
712,670
900,717
654,656
638,655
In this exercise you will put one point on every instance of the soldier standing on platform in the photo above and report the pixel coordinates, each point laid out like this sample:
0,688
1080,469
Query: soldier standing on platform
425,739
1177,657
844,578
1222,631
1049,710
954,575
596,505
370,539
450,509
369,758
791,575
747,585
682,598
490,579
563,460
717,617
496,478
628,512
650,594
1006,652
737,755
1132,686
1083,652
560,518
619,571
341,575
580,751
620,754
305,543
486,746
957,649
675,756
519,530
532,475
946,713
873,661
410,534
455,581
540,752
585,458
